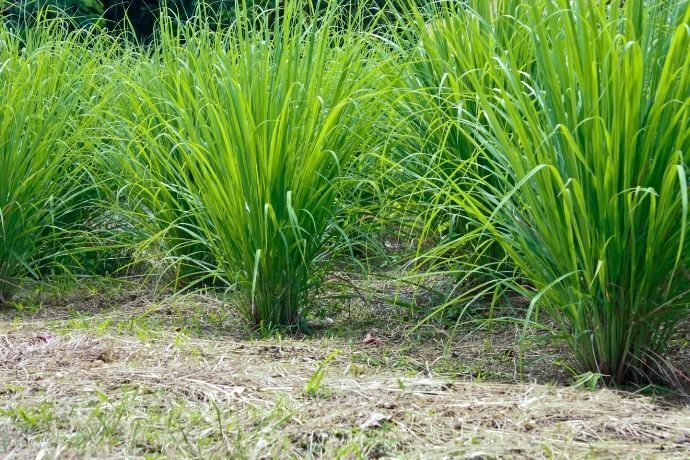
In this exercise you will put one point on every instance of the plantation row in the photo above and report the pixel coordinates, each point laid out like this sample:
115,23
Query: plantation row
535,147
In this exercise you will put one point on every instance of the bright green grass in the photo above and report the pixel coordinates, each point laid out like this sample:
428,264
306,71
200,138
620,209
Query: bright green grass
240,141
249,156
47,81
588,189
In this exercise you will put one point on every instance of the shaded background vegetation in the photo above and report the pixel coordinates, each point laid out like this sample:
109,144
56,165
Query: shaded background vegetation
140,16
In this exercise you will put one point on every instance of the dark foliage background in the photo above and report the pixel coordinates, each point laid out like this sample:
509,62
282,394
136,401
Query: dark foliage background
140,16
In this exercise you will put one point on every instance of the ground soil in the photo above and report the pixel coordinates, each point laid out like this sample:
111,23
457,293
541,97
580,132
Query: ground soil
123,374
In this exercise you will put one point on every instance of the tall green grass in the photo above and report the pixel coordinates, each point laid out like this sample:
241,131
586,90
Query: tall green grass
241,140
588,156
47,80
432,160
558,130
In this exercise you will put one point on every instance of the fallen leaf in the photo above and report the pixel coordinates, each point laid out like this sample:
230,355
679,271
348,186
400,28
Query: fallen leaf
371,339
374,421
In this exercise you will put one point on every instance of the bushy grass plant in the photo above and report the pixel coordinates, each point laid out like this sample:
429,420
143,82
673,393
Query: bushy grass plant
47,81
440,45
241,139
588,156
431,160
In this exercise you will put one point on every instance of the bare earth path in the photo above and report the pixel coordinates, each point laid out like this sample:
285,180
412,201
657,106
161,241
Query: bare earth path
158,380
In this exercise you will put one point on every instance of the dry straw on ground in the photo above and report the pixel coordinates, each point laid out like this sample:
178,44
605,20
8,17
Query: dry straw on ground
111,389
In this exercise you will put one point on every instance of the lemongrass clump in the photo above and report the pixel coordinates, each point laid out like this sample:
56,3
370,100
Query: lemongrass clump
47,81
589,157
432,159
241,139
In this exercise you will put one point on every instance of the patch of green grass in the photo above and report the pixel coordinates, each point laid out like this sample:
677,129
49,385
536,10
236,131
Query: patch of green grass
315,387
47,120
33,418
581,175
244,191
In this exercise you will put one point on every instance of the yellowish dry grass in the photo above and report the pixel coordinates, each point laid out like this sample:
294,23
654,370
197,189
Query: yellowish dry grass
134,377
